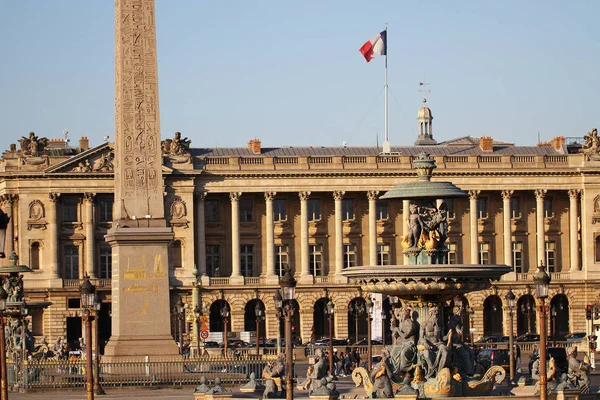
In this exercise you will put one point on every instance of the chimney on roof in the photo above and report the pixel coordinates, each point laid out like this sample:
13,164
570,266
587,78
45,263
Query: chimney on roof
558,143
254,145
486,143
84,143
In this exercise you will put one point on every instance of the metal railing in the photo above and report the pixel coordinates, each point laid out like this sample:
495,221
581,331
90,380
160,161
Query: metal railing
46,374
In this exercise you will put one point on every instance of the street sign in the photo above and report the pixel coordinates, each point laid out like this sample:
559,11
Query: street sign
204,327
204,334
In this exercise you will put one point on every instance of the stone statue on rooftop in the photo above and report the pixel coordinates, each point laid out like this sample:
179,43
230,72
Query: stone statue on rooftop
32,145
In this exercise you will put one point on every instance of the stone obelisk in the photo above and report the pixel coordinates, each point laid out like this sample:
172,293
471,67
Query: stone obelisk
139,236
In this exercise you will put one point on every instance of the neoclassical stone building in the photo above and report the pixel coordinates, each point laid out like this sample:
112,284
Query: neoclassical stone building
242,215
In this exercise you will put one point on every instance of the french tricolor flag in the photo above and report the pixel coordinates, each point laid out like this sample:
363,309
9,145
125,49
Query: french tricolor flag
377,45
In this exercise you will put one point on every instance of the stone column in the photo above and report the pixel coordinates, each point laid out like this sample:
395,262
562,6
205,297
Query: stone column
271,277
506,194
405,226
539,225
201,235
53,242
10,199
473,194
305,275
90,230
339,232
573,242
235,236
372,196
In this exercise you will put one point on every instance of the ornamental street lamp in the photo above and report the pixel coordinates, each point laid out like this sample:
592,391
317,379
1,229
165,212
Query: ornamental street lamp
355,308
278,301
369,320
542,284
88,294
330,310
471,325
258,311
383,318
527,308
180,310
3,375
288,290
197,316
97,306
553,314
511,300
225,316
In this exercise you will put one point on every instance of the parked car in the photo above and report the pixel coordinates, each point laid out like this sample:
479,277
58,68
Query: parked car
363,342
575,336
528,337
211,345
495,356
492,339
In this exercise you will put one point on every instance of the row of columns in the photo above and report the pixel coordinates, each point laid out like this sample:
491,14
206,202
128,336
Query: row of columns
540,194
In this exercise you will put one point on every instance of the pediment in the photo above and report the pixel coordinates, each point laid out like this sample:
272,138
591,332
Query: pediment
99,159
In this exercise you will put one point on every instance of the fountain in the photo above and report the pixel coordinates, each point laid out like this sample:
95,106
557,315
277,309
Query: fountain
429,357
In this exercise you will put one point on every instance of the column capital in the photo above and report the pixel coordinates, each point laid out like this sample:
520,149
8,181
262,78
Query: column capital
9,198
338,194
474,194
235,196
303,195
574,193
200,196
507,194
540,194
373,194
53,197
269,196
89,197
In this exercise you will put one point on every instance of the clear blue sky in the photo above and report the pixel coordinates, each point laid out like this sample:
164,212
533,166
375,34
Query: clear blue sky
289,72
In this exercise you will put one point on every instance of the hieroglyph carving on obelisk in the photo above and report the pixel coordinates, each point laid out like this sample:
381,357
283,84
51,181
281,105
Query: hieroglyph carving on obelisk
138,178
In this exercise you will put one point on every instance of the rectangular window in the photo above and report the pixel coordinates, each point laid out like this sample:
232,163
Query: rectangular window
314,210
482,207
213,260
517,253
105,210
279,212
484,253
176,254
71,262
383,254
246,259
211,210
70,210
382,210
515,209
452,255
349,255
245,210
105,262
34,256
551,256
548,207
347,209
450,208
316,259
281,259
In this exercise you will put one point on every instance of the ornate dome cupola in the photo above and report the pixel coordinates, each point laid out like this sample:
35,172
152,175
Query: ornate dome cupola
425,129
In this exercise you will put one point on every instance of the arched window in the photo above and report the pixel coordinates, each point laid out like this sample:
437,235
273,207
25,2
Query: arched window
250,316
175,255
526,315
357,319
216,321
492,316
321,319
559,317
34,256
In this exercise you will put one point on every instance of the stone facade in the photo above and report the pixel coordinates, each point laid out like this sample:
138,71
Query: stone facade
528,203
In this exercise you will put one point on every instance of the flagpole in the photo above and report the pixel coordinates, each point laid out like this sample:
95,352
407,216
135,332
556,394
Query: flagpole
386,143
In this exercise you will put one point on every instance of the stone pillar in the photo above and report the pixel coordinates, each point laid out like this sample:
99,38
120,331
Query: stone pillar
539,225
271,276
372,196
507,236
10,199
474,243
235,236
339,233
405,226
90,234
305,275
573,241
201,236
53,243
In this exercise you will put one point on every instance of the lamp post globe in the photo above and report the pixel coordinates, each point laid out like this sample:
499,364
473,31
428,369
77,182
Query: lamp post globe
510,301
542,286
288,290
329,309
258,312
88,296
225,316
